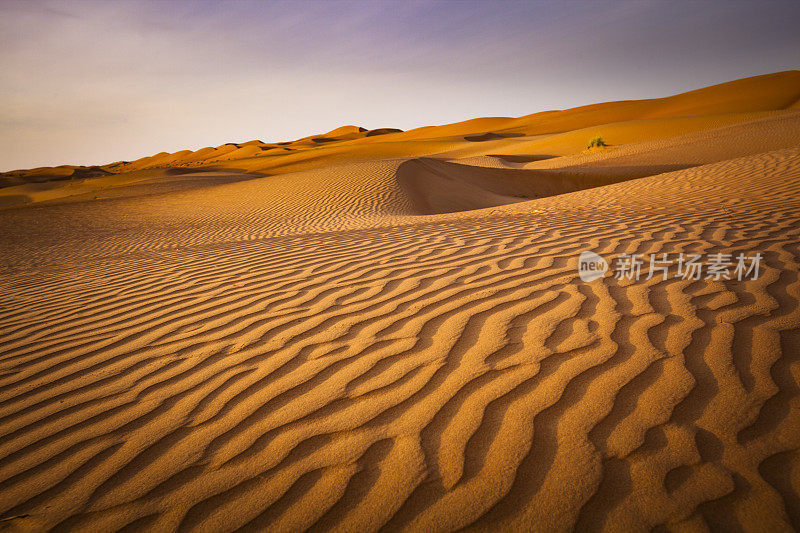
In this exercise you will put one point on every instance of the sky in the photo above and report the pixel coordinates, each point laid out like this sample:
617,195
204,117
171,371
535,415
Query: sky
92,82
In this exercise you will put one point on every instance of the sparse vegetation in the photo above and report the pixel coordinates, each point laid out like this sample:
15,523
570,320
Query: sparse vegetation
597,142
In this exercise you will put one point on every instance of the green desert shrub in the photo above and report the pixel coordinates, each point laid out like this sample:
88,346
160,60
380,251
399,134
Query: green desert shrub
597,141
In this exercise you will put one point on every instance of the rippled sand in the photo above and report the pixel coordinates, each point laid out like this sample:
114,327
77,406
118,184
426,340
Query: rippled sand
380,340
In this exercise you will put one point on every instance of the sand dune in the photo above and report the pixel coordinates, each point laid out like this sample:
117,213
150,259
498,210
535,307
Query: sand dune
560,132
443,187
393,335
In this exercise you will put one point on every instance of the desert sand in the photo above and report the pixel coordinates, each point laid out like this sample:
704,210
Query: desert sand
384,330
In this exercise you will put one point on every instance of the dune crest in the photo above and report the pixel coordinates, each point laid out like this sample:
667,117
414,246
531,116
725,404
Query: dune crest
698,110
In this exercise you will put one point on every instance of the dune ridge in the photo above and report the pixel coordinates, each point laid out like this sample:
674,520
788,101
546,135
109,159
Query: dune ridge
697,110
403,342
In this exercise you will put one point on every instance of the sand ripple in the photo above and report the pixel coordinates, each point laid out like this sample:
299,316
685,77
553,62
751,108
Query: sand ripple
446,373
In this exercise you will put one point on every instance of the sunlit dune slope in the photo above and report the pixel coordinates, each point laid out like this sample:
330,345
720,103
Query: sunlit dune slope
389,332
621,122
203,206
446,372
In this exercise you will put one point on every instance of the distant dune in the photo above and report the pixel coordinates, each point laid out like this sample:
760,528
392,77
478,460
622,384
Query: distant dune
551,133
386,330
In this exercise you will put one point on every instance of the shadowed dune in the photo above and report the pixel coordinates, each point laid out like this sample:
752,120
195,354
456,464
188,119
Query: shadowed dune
491,136
443,187
44,174
511,158
392,336
382,131
132,184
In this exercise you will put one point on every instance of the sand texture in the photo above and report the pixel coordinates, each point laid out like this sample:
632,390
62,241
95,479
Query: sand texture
363,331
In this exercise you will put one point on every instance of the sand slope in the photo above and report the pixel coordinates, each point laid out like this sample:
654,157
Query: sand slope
556,132
354,347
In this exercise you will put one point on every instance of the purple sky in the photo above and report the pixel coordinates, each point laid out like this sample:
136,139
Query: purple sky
91,82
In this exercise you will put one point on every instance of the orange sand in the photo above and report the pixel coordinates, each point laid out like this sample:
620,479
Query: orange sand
360,331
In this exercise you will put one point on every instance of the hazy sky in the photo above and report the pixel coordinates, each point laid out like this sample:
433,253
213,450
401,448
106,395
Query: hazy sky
91,82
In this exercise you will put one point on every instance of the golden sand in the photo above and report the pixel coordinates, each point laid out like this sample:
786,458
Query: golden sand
356,332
